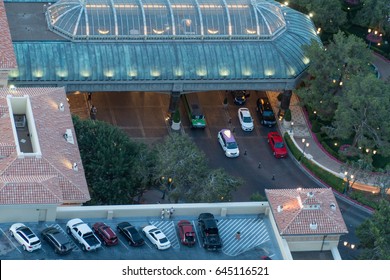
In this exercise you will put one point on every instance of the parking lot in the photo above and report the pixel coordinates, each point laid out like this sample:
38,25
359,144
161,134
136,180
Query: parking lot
257,240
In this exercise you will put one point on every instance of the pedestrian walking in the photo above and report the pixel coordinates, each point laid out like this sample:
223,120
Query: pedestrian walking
162,214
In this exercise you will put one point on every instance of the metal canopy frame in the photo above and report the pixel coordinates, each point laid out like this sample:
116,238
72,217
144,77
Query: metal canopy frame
166,19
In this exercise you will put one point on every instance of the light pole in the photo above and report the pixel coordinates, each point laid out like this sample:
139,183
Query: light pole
304,148
347,182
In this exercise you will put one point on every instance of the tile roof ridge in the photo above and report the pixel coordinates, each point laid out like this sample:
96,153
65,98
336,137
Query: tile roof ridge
66,177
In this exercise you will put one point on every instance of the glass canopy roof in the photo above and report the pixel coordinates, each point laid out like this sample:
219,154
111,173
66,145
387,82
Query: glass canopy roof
166,19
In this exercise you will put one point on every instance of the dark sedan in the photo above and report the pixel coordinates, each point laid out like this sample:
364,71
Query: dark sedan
57,240
131,233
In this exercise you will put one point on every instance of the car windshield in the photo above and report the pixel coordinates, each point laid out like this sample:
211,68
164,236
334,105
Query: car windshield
231,145
247,119
212,231
189,238
198,117
163,240
279,145
268,113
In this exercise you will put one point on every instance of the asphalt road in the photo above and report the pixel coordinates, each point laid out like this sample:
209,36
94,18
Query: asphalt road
142,117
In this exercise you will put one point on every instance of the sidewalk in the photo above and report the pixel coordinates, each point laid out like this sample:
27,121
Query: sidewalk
302,135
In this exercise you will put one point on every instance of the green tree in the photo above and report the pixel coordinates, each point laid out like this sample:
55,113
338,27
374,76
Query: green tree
327,15
112,162
179,159
374,14
330,68
362,113
374,234
217,187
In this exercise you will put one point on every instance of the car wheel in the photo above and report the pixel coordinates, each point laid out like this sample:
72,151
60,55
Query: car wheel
11,233
68,230
274,154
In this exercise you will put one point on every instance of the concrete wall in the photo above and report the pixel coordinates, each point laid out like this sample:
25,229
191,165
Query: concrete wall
27,213
154,210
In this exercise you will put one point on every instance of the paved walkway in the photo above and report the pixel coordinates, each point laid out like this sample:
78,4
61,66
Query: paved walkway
307,141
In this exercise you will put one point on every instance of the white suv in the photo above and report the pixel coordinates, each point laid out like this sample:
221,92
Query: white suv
25,237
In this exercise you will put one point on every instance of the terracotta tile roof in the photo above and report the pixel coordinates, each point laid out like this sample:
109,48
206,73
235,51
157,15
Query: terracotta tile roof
306,211
7,54
49,179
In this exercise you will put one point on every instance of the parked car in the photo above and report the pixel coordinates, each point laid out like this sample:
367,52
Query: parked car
57,240
228,143
265,113
239,96
25,237
105,233
131,233
194,110
246,121
83,234
209,231
156,237
277,145
186,232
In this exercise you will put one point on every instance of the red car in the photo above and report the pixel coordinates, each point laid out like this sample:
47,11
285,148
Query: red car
105,233
277,145
186,232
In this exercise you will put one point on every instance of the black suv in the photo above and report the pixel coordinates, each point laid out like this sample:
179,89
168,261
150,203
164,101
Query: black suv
209,231
265,112
57,240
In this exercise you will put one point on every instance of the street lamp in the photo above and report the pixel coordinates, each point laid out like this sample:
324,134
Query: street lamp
304,148
348,180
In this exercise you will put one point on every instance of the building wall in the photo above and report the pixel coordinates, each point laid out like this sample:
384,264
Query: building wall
312,242
27,213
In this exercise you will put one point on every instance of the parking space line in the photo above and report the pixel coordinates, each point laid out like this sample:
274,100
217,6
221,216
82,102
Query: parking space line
10,240
197,235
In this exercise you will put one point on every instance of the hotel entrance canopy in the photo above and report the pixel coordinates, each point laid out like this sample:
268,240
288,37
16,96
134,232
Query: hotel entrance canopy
167,45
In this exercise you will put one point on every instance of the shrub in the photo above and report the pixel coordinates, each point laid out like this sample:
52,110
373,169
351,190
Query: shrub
176,116
315,126
287,115
257,197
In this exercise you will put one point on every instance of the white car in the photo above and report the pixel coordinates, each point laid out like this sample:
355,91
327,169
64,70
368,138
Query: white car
245,118
157,237
25,237
228,143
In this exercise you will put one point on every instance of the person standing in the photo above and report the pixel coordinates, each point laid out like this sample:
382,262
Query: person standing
93,112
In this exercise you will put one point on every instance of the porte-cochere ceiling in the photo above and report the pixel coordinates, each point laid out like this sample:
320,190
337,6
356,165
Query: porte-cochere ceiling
168,45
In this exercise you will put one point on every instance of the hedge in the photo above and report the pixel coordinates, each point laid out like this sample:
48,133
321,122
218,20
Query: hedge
328,178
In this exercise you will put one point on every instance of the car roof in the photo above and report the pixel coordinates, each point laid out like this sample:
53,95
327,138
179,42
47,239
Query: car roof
276,136
245,112
228,135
